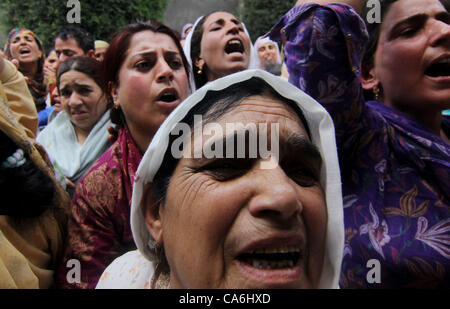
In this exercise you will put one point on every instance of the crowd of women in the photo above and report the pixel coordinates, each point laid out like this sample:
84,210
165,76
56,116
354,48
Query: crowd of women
95,197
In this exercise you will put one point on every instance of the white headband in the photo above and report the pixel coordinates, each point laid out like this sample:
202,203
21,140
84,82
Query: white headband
254,59
322,136
264,40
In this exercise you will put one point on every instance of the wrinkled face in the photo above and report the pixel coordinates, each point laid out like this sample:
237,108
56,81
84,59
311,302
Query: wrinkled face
51,61
67,49
228,223
412,61
152,82
267,53
82,99
24,47
100,53
225,47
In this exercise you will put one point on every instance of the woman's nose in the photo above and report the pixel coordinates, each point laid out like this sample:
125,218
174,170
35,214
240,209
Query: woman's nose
441,34
164,71
276,195
233,29
74,99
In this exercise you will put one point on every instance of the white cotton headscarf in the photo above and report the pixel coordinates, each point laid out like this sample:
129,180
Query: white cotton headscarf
322,136
254,59
60,141
264,40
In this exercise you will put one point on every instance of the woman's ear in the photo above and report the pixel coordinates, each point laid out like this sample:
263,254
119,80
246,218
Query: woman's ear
199,63
114,93
368,77
153,212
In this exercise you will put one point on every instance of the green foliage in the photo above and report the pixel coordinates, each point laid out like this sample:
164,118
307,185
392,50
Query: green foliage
101,18
260,15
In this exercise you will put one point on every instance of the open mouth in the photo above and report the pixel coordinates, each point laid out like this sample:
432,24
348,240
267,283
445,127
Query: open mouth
439,69
168,96
24,51
272,258
234,46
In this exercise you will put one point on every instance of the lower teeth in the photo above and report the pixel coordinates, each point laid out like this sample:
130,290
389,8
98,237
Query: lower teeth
264,264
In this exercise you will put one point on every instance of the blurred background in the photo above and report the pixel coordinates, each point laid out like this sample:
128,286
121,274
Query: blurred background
103,18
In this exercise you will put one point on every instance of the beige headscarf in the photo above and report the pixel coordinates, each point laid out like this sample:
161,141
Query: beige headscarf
29,252
14,91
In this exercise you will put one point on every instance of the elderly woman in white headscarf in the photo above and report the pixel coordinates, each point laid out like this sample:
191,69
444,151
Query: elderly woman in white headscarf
218,45
212,207
269,55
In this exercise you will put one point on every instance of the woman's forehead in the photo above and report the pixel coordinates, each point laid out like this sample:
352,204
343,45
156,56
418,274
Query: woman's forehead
403,9
24,32
262,108
149,40
218,16
74,76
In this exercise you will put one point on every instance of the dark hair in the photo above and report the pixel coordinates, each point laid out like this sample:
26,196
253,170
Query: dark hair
117,51
87,65
196,42
26,190
214,105
49,51
374,30
83,38
374,34
83,64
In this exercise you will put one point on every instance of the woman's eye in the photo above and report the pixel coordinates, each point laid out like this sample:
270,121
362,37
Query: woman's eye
175,64
66,93
408,32
228,169
84,91
305,177
143,65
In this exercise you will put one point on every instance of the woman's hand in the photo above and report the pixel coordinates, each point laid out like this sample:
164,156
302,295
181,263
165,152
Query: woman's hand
49,73
70,184
356,4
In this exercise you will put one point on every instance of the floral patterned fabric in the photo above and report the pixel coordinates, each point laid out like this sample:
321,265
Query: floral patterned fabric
395,172
99,229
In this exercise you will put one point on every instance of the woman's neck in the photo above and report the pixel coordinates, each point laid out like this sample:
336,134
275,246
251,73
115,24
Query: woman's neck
431,118
28,69
142,138
81,134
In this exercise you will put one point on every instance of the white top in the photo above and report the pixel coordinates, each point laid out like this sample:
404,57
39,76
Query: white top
60,141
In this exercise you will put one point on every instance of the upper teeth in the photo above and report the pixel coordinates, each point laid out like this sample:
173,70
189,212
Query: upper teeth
234,42
284,249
